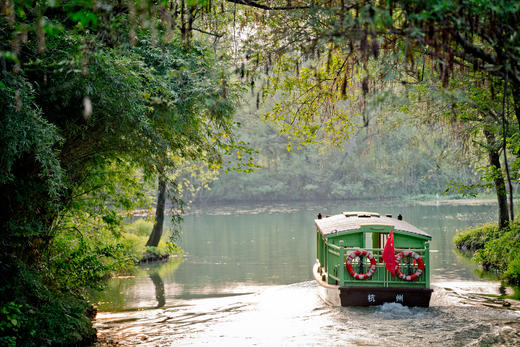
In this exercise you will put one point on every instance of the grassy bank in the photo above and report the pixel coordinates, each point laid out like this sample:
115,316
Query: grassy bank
137,234
496,250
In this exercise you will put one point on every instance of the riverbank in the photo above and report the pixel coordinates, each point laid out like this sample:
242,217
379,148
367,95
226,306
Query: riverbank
245,279
45,304
494,249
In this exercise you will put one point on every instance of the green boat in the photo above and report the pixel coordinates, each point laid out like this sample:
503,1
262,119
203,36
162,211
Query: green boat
366,259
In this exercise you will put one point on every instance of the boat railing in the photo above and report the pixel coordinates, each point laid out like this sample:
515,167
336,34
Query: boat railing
334,265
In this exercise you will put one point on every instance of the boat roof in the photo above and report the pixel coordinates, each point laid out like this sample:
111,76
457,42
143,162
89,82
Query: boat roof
354,220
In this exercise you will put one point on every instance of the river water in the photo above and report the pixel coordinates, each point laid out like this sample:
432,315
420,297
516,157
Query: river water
245,280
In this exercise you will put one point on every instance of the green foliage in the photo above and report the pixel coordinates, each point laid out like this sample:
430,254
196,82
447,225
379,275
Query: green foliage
140,227
499,252
172,248
496,250
24,130
154,251
135,237
512,274
10,319
36,313
475,239
311,105
380,161
464,190
161,252
82,255
93,109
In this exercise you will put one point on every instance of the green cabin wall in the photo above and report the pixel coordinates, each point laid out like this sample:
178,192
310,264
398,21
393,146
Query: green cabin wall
358,239
351,239
402,240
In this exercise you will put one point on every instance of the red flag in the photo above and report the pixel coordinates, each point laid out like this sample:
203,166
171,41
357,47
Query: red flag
389,254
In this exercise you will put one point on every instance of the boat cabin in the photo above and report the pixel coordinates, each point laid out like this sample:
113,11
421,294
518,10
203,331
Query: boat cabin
349,249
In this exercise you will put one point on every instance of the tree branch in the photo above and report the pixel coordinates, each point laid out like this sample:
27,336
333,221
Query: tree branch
474,50
208,33
253,3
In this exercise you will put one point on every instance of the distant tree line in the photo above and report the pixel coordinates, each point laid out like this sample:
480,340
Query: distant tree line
380,161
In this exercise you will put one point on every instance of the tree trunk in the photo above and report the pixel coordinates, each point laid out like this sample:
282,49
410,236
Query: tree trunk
516,104
504,149
509,186
157,230
498,178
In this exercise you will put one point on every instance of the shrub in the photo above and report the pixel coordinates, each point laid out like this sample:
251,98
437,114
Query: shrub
36,313
501,251
474,239
82,254
140,227
512,274
496,250
10,319
134,245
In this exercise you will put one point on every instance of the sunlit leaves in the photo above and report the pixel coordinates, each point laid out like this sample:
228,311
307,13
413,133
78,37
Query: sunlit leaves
318,102
91,100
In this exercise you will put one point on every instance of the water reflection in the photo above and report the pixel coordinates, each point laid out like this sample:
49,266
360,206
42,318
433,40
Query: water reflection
159,288
234,250
148,287
245,280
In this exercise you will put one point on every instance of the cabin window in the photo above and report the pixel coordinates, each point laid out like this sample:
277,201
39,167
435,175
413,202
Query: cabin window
380,242
383,237
368,240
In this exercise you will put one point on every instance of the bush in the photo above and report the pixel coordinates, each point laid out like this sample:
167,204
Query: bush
161,252
10,319
35,313
140,227
474,239
501,250
134,245
82,254
496,250
512,274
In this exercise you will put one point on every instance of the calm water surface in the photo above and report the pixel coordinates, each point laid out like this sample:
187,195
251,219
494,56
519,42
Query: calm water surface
246,280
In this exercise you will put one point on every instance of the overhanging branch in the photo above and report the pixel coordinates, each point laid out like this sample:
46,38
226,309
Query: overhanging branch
474,50
253,3
208,33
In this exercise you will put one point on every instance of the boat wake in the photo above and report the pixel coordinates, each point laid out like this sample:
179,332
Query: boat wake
294,315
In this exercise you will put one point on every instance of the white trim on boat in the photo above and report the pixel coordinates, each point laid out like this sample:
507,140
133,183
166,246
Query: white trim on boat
328,292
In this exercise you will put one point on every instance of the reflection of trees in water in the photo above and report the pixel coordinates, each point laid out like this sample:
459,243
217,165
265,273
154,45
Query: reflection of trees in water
159,288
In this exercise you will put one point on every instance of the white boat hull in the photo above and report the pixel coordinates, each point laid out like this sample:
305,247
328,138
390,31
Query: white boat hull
328,292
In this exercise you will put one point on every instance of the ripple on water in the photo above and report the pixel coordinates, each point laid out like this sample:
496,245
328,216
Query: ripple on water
293,315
